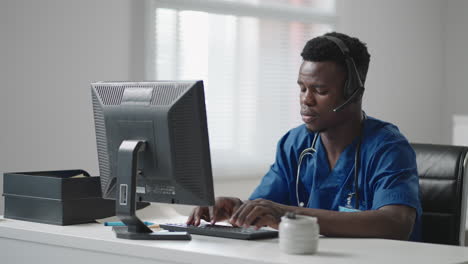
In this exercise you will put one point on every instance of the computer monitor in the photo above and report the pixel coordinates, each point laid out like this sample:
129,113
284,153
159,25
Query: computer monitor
152,143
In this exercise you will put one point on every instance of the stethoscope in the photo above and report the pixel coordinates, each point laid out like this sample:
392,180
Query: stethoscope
357,158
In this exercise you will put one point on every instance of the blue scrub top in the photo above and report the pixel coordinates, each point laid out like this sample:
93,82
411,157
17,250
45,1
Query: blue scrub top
387,172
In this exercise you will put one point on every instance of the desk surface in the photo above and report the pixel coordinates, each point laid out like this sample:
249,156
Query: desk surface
97,238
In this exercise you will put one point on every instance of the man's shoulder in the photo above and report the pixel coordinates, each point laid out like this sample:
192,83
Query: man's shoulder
382,131
382,137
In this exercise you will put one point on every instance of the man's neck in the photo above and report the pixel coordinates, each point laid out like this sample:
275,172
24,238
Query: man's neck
336,139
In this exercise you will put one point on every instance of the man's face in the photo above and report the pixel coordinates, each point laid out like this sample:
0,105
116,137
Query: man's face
321,85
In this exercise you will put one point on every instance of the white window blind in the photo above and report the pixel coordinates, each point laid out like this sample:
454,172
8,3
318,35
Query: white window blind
248,55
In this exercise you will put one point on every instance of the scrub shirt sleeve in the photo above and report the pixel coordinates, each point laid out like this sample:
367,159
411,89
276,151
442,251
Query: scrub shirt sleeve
274,185
395,178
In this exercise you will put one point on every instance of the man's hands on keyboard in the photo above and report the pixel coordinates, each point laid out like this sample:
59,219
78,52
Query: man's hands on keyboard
223,209
256,213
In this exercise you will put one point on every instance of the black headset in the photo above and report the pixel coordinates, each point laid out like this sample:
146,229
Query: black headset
354,87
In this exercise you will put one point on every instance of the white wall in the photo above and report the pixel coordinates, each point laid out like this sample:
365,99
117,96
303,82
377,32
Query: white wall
419,63
50,50
455,89
405,79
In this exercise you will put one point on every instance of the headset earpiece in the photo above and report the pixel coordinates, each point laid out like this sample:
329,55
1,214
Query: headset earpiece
354,87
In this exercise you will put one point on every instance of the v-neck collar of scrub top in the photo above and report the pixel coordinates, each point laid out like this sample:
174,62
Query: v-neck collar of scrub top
326,184
327,177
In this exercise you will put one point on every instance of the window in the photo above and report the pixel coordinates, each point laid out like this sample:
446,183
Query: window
248,55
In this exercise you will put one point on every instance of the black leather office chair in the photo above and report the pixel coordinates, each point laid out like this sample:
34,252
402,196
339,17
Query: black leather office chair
443,181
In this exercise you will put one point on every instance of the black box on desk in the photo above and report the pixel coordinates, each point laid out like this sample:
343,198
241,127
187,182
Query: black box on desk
55,197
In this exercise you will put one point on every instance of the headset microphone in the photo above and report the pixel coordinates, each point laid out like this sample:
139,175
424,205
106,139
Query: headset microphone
356,93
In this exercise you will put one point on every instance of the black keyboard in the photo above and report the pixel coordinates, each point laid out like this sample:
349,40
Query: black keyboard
222,231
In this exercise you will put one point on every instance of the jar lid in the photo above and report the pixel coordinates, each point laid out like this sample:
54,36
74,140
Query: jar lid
299,219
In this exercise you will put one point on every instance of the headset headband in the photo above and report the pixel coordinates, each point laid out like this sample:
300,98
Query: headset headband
354,81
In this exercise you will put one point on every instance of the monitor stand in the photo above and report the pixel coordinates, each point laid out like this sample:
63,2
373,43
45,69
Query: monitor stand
126,197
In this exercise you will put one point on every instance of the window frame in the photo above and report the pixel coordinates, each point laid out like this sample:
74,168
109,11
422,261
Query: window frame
279,12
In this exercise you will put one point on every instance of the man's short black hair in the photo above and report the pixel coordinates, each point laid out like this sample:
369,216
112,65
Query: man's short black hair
321,49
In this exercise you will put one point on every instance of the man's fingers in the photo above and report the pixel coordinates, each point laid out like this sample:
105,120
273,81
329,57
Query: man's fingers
190,219
223,209
197,219
235,215
266,220
256,212
198,214
220,214
214,215
243,212
259,212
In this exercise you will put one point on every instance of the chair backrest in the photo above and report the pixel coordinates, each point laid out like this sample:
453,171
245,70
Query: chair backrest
442,170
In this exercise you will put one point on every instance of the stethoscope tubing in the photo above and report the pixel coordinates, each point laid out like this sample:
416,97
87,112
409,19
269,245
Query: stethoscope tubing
311,150
307,151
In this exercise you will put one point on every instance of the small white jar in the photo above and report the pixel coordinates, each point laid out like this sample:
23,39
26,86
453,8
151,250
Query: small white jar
298,234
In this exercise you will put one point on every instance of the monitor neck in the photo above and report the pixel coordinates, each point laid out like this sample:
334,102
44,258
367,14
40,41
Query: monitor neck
125,202
127,170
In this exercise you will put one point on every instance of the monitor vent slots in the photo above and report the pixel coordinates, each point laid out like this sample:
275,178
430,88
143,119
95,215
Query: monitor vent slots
101,142
110,95
164,96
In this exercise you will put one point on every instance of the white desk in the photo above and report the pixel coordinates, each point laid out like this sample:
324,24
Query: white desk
28,242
